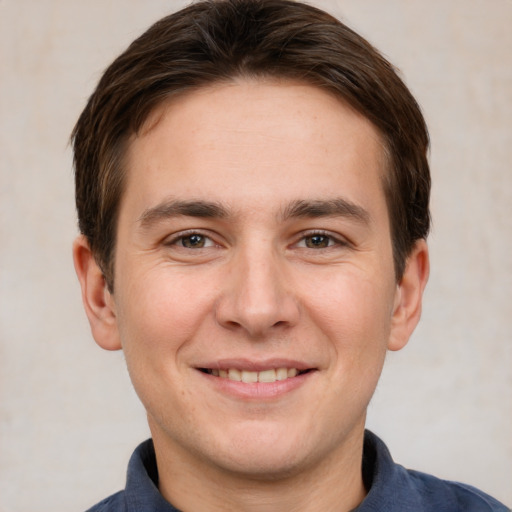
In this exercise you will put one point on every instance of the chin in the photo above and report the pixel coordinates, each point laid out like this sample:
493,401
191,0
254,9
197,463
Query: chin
267,466
263,453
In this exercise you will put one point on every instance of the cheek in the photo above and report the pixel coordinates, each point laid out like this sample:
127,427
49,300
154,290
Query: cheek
161,311
354,312
158,316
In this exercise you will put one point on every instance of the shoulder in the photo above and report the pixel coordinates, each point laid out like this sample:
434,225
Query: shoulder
395,488
446,495
114,503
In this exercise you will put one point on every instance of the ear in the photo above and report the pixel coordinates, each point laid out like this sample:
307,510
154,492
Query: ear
98,301
408,296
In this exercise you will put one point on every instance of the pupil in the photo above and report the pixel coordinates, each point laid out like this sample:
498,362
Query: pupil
317,241
193,241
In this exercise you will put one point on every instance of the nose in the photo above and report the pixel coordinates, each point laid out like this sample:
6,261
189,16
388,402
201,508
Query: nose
257,295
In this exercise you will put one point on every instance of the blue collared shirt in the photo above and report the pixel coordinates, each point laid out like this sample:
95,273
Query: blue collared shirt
392,488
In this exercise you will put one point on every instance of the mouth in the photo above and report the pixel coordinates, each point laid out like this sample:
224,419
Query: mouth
247,376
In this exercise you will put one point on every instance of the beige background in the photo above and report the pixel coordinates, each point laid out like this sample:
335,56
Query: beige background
68,417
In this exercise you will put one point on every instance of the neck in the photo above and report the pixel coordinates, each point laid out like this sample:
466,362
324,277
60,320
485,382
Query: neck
333,483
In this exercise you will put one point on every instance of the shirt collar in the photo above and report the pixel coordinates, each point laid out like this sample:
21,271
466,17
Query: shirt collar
387,482
141,490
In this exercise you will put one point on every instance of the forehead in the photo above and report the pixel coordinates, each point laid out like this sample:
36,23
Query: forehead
246,137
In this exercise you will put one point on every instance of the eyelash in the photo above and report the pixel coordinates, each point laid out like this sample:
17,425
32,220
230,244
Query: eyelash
187,235
332,241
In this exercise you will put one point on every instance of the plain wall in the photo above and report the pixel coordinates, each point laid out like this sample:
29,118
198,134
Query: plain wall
69,419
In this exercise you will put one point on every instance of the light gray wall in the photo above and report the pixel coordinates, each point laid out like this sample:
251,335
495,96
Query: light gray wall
68,417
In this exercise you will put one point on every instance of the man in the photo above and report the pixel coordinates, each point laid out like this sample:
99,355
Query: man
252,190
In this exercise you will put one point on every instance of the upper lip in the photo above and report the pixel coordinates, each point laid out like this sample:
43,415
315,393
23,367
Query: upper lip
255,365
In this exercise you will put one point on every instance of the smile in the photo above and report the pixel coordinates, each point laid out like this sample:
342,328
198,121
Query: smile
271,375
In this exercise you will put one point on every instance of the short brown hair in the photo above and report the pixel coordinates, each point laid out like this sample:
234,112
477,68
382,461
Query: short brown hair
218,40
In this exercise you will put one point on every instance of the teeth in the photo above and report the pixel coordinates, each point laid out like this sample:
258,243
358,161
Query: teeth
271,375
249,376
234,374
281,374
267,376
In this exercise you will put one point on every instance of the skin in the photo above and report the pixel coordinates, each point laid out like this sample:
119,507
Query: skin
253,233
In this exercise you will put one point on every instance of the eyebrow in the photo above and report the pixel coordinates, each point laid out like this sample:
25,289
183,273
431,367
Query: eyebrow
338,207
300,208
175,208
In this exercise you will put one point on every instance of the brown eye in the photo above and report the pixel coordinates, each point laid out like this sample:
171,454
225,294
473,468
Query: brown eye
317,241
193,241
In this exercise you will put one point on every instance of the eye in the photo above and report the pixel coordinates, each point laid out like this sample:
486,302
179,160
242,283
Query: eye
193,241
318,241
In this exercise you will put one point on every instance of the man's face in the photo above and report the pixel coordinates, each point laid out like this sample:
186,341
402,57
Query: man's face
254,244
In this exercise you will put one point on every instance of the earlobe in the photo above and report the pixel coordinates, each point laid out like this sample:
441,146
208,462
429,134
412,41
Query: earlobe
408,296
97,300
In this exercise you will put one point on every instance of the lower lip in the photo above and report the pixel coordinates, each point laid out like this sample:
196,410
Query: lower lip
258,390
